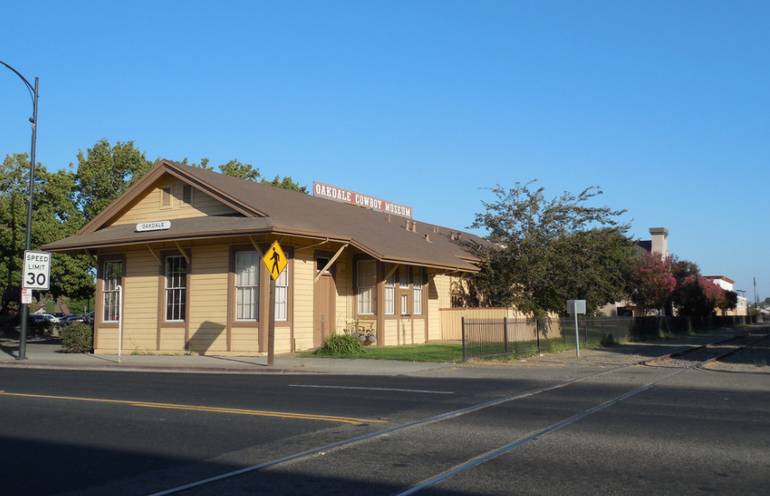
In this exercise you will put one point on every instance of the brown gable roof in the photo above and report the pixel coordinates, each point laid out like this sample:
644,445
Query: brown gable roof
274,210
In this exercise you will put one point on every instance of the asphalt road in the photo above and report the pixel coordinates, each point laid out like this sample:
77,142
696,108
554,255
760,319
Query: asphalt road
663,429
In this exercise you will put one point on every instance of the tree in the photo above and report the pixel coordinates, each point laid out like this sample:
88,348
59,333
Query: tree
694,295
104,172
651,282
542,252
54,216
286,183
239,169
727,300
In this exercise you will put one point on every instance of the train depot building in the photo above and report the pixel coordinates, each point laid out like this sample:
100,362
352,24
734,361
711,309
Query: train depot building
184,245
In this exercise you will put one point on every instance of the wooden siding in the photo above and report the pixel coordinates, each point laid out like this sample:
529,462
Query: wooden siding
434,303
207,297
148,206
304,272
345,299
140,306
391,332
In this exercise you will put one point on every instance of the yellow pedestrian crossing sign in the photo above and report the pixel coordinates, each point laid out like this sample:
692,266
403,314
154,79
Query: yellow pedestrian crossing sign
275,260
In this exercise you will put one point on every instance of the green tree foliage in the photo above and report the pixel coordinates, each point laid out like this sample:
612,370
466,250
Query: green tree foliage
242,170
543,252
104,172
286,183
54,216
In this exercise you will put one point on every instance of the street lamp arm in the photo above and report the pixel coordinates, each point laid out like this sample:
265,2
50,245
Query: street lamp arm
30,88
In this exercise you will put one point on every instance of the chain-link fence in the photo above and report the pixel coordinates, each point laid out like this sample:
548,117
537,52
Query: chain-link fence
527,337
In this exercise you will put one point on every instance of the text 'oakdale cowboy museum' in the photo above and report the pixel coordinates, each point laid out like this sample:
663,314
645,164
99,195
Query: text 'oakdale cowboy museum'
185,244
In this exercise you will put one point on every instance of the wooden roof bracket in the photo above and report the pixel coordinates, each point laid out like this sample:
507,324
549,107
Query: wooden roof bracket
330,262
152,252
255,245
392,271
184,253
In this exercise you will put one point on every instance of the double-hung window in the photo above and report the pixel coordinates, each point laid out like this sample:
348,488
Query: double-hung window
247,285
112,276
176,287
282,296
417,282
390,295
366,279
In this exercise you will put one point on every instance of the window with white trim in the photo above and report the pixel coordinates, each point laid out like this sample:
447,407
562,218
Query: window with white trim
176,288
404,304
417,283
390,295
282,296
112,277
366,280
247,268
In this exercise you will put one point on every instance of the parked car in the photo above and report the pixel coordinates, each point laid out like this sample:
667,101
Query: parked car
88,317
72,318
40,318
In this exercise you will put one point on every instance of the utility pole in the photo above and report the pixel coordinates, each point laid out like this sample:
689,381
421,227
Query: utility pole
30,192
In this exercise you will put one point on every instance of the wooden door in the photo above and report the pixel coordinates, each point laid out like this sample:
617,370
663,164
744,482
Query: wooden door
324,299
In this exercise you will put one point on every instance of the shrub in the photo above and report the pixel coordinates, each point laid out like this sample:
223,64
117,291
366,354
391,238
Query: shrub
341,344
609,340
76,338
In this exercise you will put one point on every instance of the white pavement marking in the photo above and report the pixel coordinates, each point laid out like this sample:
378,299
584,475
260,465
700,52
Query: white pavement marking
356,440
535,436
399,390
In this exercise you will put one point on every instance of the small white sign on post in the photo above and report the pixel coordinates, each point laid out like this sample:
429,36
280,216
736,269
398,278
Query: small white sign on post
26,296
576,307
37,270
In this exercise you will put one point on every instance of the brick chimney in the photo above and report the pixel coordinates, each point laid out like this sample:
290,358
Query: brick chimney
659,240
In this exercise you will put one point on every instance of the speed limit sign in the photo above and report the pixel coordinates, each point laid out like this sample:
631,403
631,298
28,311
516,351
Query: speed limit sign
37,270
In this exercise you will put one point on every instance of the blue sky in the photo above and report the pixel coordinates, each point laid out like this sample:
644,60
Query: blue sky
662,104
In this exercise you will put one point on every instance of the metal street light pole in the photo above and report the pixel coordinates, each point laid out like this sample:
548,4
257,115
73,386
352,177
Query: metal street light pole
30,190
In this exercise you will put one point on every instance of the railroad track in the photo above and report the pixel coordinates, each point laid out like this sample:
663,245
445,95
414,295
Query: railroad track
702,356
695,357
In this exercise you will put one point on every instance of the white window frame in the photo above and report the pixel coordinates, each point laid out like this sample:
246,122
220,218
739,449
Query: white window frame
175,290
404,304
389,297
110,296
366,290
253,289
282,296
417,291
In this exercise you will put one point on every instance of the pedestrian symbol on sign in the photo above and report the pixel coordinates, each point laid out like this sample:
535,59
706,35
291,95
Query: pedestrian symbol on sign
275,260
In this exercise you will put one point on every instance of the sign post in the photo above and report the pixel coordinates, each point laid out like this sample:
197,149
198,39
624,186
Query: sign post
36,274
275,261
120,322
576,307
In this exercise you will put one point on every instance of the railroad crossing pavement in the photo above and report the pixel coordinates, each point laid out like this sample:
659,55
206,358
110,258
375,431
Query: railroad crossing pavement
668,427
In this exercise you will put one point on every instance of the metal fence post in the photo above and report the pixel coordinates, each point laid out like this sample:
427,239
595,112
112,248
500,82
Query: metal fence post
462,325
505,333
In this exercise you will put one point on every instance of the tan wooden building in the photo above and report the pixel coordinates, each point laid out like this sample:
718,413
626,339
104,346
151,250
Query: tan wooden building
184,244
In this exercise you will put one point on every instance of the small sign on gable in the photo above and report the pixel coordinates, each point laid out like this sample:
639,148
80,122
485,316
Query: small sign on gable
157,225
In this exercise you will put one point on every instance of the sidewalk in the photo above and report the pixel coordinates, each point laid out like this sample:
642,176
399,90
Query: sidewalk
45,354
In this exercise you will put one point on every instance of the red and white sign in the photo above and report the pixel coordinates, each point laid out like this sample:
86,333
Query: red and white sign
329,192
26,296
